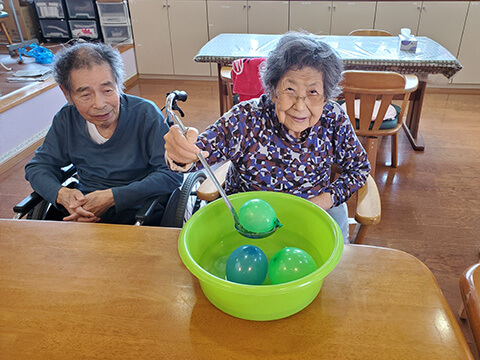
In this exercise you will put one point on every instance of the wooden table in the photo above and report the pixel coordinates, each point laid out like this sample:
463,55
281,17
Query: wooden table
379,53
96,291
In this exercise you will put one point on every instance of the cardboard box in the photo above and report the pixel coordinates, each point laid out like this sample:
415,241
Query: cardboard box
27,19
408,42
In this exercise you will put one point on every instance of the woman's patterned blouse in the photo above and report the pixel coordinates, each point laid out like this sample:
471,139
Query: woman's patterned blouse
265,157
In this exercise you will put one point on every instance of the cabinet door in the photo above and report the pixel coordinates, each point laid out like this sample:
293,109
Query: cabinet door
443,22
348,16
227,17
152,36
188,32
469,53
312,16
267,17
395,15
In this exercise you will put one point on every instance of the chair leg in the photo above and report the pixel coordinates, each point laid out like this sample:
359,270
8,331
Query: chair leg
372,148
224,96
5,31
359,234
395,150
229,95
461,312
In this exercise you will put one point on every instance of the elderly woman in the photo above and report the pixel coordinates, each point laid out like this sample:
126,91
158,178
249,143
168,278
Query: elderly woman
288,139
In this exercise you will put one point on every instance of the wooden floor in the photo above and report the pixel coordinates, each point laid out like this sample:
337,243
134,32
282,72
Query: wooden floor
430,203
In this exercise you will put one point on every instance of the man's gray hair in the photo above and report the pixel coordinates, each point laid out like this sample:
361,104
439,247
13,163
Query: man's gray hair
85,56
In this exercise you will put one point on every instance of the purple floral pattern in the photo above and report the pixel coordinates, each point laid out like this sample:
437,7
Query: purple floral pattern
265,157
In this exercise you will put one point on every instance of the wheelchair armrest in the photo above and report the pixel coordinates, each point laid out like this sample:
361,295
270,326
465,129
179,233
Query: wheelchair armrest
32,200
207,190
368,210
27,204
68,172
148,207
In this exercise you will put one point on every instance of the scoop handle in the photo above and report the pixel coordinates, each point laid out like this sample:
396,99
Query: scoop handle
169,103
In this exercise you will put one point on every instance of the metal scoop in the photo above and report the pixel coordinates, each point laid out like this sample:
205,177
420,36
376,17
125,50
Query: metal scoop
171,104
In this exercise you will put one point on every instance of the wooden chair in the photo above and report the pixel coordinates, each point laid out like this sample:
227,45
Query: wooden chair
367,210
4,15
470,290
227,86
248,88
368,96
369,32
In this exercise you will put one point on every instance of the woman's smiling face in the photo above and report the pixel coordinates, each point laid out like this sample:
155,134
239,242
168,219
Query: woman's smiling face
299,99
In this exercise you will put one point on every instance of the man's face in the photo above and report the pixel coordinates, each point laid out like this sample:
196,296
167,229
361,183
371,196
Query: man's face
95,95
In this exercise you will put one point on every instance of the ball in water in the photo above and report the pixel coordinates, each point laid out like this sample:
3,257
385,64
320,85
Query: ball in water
247,264
257,216
290,264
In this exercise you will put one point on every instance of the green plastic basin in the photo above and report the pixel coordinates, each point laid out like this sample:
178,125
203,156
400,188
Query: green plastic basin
209,237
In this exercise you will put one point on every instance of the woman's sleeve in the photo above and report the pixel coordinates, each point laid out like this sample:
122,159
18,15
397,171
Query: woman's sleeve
352,159
222,140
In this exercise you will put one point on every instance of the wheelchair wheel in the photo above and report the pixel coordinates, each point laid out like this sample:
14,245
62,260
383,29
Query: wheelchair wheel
188,203
39,212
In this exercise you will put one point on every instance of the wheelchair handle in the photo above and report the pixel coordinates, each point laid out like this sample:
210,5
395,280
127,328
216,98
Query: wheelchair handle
175,96
169,107
180,95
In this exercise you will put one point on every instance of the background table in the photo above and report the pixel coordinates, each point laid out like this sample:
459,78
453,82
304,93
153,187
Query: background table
380,53
96,291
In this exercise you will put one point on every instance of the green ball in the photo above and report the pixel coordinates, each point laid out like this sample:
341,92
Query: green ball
257,216
290,264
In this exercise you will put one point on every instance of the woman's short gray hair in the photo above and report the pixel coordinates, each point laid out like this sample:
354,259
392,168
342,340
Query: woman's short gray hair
84,56
297,50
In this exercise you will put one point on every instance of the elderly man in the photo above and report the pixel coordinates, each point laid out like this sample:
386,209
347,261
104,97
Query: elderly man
114,140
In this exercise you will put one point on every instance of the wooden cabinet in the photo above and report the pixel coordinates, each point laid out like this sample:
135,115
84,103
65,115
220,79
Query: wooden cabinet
152,36
267,17
469,53
253,17
312,16
168,34
348,16
395,15
227,17
188,33
443,22
335,18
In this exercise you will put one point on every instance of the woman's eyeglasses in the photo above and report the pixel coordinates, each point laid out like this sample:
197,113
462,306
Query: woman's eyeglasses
289,96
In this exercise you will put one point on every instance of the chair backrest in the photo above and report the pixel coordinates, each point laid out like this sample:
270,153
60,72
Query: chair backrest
470,290
375,90
369,32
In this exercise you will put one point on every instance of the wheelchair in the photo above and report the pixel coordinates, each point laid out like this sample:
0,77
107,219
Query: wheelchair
181,204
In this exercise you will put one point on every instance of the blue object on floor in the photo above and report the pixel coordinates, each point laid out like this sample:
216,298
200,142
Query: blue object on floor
42,55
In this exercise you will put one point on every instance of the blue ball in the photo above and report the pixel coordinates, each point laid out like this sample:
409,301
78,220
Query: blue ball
247,264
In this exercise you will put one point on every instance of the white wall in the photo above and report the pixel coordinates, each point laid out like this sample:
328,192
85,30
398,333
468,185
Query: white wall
27,122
